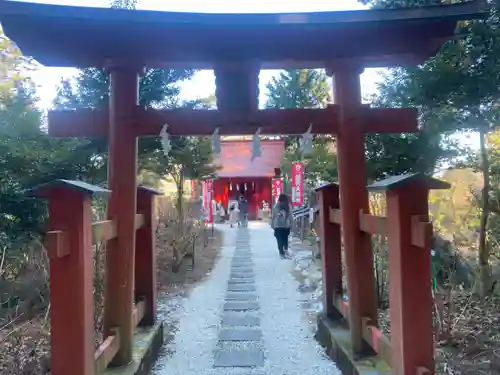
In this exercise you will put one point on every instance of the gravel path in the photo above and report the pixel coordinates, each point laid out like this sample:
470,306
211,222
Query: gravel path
246,318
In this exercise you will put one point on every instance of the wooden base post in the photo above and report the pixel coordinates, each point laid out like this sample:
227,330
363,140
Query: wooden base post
410,292
145,254
353,199
331,251
122,177
71,288
69,247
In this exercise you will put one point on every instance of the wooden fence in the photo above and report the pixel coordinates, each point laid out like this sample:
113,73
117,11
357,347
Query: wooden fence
69,243
409,235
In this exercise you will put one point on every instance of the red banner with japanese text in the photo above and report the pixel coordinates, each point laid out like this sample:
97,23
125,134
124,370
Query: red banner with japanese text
209,203
193,189
298,184
209,186
203,200
277,187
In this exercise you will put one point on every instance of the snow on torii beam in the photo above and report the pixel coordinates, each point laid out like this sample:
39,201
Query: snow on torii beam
186,122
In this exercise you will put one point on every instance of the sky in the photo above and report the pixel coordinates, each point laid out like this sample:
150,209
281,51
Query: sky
203,84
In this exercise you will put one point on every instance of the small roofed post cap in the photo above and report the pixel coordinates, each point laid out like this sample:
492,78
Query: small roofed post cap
399,181
43,190
326,186
149,190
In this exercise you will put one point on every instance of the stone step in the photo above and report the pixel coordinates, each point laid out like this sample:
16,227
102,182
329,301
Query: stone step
239,357
241,275
246,280
241,288
240,319
240,334
241,269
240,306
238,260
240,296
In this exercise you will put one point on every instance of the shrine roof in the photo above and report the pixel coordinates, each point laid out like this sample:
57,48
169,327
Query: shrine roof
235,159
70,36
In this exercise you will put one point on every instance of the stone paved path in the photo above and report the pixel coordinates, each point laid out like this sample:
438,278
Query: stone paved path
245,319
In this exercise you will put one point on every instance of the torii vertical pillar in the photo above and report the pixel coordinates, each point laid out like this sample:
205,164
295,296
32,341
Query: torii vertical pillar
353,199
122,177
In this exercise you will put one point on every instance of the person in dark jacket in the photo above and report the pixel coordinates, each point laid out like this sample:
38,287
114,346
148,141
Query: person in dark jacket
281,222
243,207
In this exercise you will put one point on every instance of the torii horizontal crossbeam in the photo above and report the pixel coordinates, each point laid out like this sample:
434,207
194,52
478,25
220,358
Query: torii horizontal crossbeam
186,122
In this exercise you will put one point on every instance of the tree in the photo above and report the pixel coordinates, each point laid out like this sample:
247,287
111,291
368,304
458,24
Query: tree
423,151
188,158
90,89
305,89
459,88
13,65
321,163
29,156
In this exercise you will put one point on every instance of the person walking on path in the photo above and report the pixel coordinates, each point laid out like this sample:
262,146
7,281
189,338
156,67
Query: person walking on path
234,213
281,222
243,206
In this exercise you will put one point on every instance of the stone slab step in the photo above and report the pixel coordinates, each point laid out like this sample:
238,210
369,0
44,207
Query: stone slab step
241,288
240,320
246,260
241,296
241,269
241,280
240,334
239,357
240,306
242,264
241,275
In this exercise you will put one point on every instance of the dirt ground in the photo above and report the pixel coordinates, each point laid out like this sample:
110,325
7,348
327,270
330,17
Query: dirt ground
472,346
25,345
190,272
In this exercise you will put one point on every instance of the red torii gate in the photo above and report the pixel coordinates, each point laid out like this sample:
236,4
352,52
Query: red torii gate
342,42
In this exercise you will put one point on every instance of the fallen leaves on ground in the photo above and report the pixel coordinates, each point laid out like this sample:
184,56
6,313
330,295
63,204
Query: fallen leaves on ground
473,345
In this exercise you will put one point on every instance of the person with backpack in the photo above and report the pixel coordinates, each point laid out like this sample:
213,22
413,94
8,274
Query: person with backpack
281,222
243,207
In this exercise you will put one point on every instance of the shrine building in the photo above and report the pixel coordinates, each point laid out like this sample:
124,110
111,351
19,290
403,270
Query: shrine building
240,175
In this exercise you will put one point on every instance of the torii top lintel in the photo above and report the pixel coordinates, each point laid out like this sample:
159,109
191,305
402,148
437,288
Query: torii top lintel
68,36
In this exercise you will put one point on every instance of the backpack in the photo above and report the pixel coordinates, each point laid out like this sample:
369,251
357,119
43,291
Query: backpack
281,220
